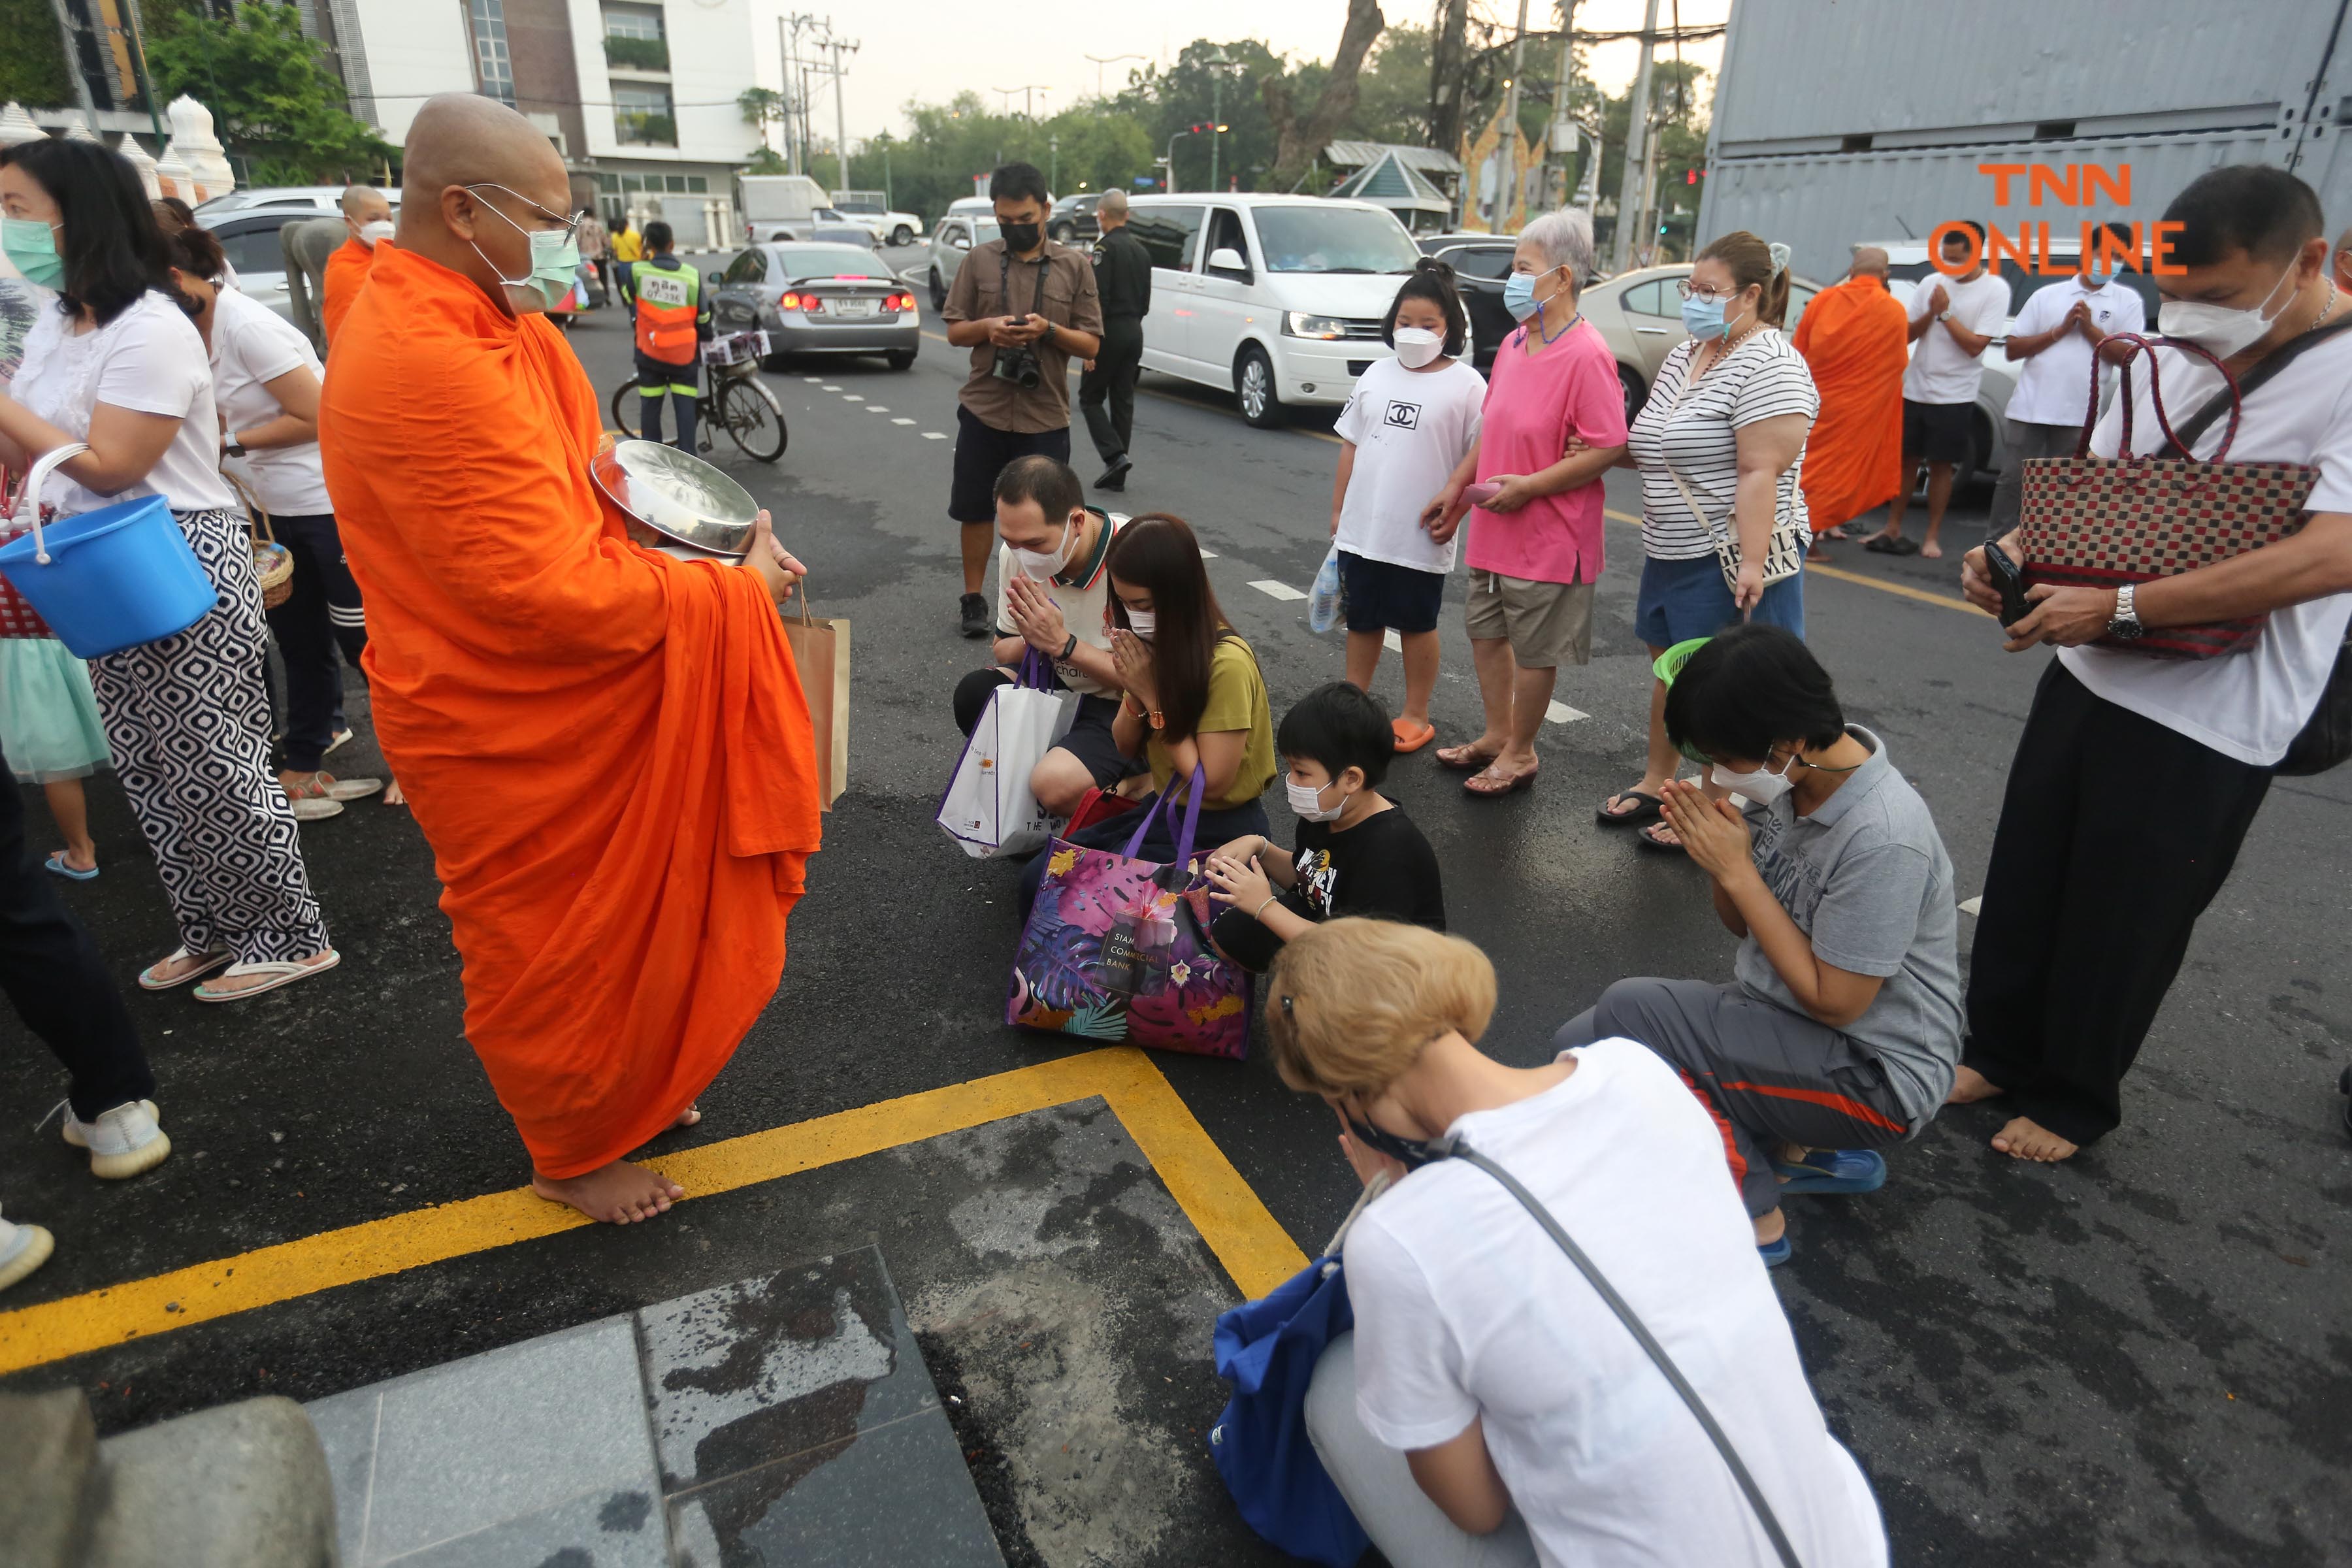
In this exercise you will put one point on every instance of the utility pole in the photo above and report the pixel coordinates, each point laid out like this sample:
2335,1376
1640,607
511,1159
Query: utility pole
146,78
1509,140
1633,190
1563,121
1053,168
839,46
1217,64
788,31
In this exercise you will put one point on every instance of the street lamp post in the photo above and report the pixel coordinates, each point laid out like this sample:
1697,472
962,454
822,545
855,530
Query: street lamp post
1102,60
1168,163
1218,64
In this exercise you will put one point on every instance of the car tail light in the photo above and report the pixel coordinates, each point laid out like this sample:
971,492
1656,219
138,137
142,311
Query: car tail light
789,303
899,302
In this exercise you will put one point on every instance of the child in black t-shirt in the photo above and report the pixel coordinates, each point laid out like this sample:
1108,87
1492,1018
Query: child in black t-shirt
1357,852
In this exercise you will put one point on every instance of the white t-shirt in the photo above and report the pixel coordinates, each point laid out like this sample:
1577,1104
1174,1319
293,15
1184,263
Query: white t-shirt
253,345
2053,387
2244,705
1411,429
1464,1309
1082,592
1696,433
1941,371
150,360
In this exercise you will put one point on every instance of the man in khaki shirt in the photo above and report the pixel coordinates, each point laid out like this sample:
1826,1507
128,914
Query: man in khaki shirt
1026,307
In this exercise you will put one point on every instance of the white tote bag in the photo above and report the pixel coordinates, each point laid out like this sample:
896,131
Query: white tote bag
988,808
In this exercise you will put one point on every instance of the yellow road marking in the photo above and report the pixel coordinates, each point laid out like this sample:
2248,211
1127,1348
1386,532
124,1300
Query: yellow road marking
1255,1249
1946,601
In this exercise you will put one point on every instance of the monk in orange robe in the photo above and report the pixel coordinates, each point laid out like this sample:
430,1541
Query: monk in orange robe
1854,338
368,215
608,749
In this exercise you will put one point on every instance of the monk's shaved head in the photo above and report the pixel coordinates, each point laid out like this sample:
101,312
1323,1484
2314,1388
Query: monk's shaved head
476,180
366,203
1869,261
2344,259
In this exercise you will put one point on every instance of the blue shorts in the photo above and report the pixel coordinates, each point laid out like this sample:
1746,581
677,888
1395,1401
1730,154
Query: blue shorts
1684,599
1383,597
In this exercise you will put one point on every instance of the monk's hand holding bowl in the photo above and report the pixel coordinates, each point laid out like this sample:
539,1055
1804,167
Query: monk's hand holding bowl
773,562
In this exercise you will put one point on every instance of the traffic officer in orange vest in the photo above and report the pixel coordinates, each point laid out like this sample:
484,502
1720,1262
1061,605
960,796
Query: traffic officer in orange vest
672,320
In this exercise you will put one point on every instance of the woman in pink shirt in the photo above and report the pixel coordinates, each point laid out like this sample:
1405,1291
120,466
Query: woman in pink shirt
1535,546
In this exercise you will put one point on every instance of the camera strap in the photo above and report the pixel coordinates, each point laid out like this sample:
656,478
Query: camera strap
1005,280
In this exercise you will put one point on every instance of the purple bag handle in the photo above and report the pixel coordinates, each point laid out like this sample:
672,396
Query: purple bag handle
2156,397
1036,672
1197,787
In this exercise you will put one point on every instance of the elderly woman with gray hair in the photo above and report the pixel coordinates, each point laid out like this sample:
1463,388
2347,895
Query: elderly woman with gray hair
1552,424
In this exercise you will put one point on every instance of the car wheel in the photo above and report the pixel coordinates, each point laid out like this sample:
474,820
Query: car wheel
902,359
939,291
1062,232
902,234
1636,394
1254,387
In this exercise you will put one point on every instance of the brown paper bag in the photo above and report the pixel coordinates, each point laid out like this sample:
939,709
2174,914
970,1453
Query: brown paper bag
821,649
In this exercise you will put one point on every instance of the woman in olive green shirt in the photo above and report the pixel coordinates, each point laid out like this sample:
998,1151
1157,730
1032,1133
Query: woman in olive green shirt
1193,697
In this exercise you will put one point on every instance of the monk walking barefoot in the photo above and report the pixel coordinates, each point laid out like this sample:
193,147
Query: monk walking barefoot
2026,1139
607,748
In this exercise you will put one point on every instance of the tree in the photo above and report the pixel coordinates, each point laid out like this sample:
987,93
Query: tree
1301,138
765,159
272,97
32,65
764,107
1447,116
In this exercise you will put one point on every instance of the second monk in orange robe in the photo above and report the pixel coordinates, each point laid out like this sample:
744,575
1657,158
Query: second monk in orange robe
607,748
347,269
1854,338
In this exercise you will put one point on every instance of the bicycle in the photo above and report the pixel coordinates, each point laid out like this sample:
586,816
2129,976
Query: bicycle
735,401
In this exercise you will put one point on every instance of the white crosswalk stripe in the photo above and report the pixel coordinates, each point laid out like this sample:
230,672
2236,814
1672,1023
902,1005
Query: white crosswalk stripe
1972,905
902,421
1208,556
934,436
1561,713
1390,641
1273,590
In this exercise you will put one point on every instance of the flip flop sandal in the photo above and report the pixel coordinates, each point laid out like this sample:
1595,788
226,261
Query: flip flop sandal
1513,785
280,973
56,863
148,982
1902,547
1410,741
1650,841
1462,760
1834,1171
1879,544
1650,810
1775,1253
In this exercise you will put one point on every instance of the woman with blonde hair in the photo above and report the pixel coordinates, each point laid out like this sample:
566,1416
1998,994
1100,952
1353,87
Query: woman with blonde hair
1490,1408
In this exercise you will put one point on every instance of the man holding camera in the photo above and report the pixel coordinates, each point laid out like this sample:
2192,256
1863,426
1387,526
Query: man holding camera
1024,306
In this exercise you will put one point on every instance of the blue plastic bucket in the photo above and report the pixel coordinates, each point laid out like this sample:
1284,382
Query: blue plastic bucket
117,577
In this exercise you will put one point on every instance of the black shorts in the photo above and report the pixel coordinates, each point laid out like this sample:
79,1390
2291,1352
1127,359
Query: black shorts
1089,738
981,453
1384,596
1938,432
657,375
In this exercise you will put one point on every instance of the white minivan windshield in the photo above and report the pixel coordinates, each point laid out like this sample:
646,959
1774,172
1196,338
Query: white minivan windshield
1314,238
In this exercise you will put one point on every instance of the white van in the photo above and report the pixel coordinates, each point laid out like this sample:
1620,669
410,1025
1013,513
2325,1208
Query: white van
1278,298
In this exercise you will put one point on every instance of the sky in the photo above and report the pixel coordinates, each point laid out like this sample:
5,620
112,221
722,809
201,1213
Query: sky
930,50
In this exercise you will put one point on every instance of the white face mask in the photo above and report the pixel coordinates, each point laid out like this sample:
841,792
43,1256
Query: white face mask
371,234
2219,330
1763,786
1042,565
1142,622
1416,346
1308,802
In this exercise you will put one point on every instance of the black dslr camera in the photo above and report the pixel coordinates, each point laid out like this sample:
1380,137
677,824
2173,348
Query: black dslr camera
1018,366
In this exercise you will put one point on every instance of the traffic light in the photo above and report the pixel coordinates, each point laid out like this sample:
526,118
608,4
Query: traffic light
1690,176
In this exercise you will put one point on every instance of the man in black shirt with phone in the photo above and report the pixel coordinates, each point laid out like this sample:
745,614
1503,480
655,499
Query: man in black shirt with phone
1123,280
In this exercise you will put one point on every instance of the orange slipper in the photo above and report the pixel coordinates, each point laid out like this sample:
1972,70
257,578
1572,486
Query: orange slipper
1409,738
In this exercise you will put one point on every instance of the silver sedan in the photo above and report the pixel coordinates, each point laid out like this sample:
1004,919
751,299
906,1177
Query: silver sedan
818,298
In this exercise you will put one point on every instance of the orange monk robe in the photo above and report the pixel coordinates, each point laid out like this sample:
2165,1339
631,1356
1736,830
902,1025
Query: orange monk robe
1853,337
347,271
607,748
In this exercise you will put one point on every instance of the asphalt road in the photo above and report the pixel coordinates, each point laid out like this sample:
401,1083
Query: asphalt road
2140,1357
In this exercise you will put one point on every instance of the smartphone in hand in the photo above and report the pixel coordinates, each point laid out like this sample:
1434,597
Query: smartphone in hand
2009,582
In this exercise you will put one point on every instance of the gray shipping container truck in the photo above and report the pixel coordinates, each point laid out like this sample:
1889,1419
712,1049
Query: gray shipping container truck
1866,120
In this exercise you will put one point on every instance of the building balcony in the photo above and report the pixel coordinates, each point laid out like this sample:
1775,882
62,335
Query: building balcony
645,130
636,55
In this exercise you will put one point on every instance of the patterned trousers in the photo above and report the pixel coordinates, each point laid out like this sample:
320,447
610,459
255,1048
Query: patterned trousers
189,726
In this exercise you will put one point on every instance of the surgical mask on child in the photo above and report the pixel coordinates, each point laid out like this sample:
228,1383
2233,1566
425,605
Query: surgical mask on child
374,233
1042,565
31,246
1416,346
554,262
1142,622
1763,786
1306,800
2219,330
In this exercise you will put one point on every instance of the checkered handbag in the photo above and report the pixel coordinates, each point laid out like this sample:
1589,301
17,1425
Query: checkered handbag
18,620
2102,522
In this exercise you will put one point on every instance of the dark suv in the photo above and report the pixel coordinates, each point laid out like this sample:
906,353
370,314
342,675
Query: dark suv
1073,219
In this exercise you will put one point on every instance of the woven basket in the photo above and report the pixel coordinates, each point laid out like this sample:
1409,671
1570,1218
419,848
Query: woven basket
272,562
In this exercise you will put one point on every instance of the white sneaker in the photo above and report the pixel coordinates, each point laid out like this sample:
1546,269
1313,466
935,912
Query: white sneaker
342,738
23,1248
123,1141
350,789
315,808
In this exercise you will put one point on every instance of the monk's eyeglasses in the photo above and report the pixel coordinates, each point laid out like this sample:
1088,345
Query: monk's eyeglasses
571,225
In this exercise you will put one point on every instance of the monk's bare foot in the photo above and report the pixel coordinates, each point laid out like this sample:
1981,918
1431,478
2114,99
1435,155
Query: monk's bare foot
391,795
1931,551
688,1117
1969,1085
2026,1139
613,1194
1769,1227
